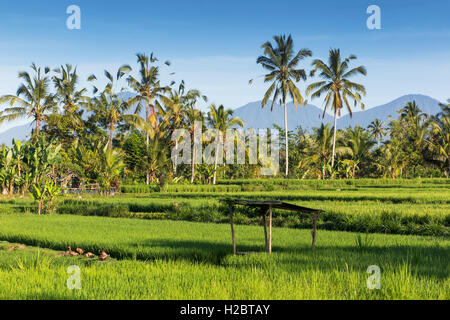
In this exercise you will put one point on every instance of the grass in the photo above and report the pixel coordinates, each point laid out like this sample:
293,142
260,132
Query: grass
184,260
413,210
162,247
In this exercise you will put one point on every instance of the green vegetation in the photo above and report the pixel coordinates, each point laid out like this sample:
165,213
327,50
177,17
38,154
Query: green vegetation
183,260
100,177
421,207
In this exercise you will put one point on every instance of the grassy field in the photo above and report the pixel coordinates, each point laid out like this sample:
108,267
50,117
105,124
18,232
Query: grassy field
191,259
417,209
184,260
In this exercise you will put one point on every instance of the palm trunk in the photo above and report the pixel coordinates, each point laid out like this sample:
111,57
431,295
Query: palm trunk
193,156
111,131
334,138
147,141
175,163
286,139
37,127
217,156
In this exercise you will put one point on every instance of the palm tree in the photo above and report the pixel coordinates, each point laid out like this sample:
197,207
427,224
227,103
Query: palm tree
67,93
337,86
323,140
177,105
193,115
359,142
412,116
411,111
440,139
221,119
157,157
112,165
445,109
282,63
109,106
33,98
376,127
148,89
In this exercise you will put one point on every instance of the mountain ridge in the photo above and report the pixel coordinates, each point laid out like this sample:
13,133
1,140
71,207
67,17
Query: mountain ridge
307,117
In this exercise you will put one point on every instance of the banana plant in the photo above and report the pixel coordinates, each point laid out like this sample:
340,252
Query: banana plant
39,194
53,191
18,155
24,182
44,196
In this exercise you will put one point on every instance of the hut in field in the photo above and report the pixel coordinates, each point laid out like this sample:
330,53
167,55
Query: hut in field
265,209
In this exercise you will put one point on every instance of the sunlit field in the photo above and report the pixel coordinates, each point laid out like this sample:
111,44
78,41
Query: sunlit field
177,245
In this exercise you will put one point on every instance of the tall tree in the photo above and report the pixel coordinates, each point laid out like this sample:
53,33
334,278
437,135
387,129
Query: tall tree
221,119
359,142
33,98
377,129
67,125
440,138
147,89
109,106
337,86
282,63
192,115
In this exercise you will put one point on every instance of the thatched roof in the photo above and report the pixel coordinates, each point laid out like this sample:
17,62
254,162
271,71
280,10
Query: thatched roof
271,203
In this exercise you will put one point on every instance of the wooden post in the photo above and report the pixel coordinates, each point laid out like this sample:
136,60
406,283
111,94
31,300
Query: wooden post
232,229
270,229
264,213
315,218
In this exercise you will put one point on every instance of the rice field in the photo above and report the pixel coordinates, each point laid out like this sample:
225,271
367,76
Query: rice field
166,246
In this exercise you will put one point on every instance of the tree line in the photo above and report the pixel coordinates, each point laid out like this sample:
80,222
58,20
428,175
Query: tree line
99,140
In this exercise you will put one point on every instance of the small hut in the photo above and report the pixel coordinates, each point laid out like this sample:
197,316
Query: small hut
266,209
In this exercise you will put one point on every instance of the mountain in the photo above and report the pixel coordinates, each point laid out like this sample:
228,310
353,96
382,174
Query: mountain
18,133
311,116
307,117
388,112
256,117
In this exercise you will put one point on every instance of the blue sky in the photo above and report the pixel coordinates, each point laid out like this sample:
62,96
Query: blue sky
213,45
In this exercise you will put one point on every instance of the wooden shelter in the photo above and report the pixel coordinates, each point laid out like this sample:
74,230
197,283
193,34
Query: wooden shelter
266,208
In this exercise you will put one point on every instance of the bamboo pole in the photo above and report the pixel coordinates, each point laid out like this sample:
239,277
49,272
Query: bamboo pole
232,229
270,229
264,213
315,218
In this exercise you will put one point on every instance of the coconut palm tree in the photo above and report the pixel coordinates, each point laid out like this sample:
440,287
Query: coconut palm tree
359,143
221,119
282,63
112,165
147,89
411,111
323,141
440,138
33,98
377,129
68,95
337,86
109,106
445,109
176,106
193,115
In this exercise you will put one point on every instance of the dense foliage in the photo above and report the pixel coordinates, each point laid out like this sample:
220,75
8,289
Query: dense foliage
101,141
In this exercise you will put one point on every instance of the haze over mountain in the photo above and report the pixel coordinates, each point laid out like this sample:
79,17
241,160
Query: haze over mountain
307,117
310,116
388,112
